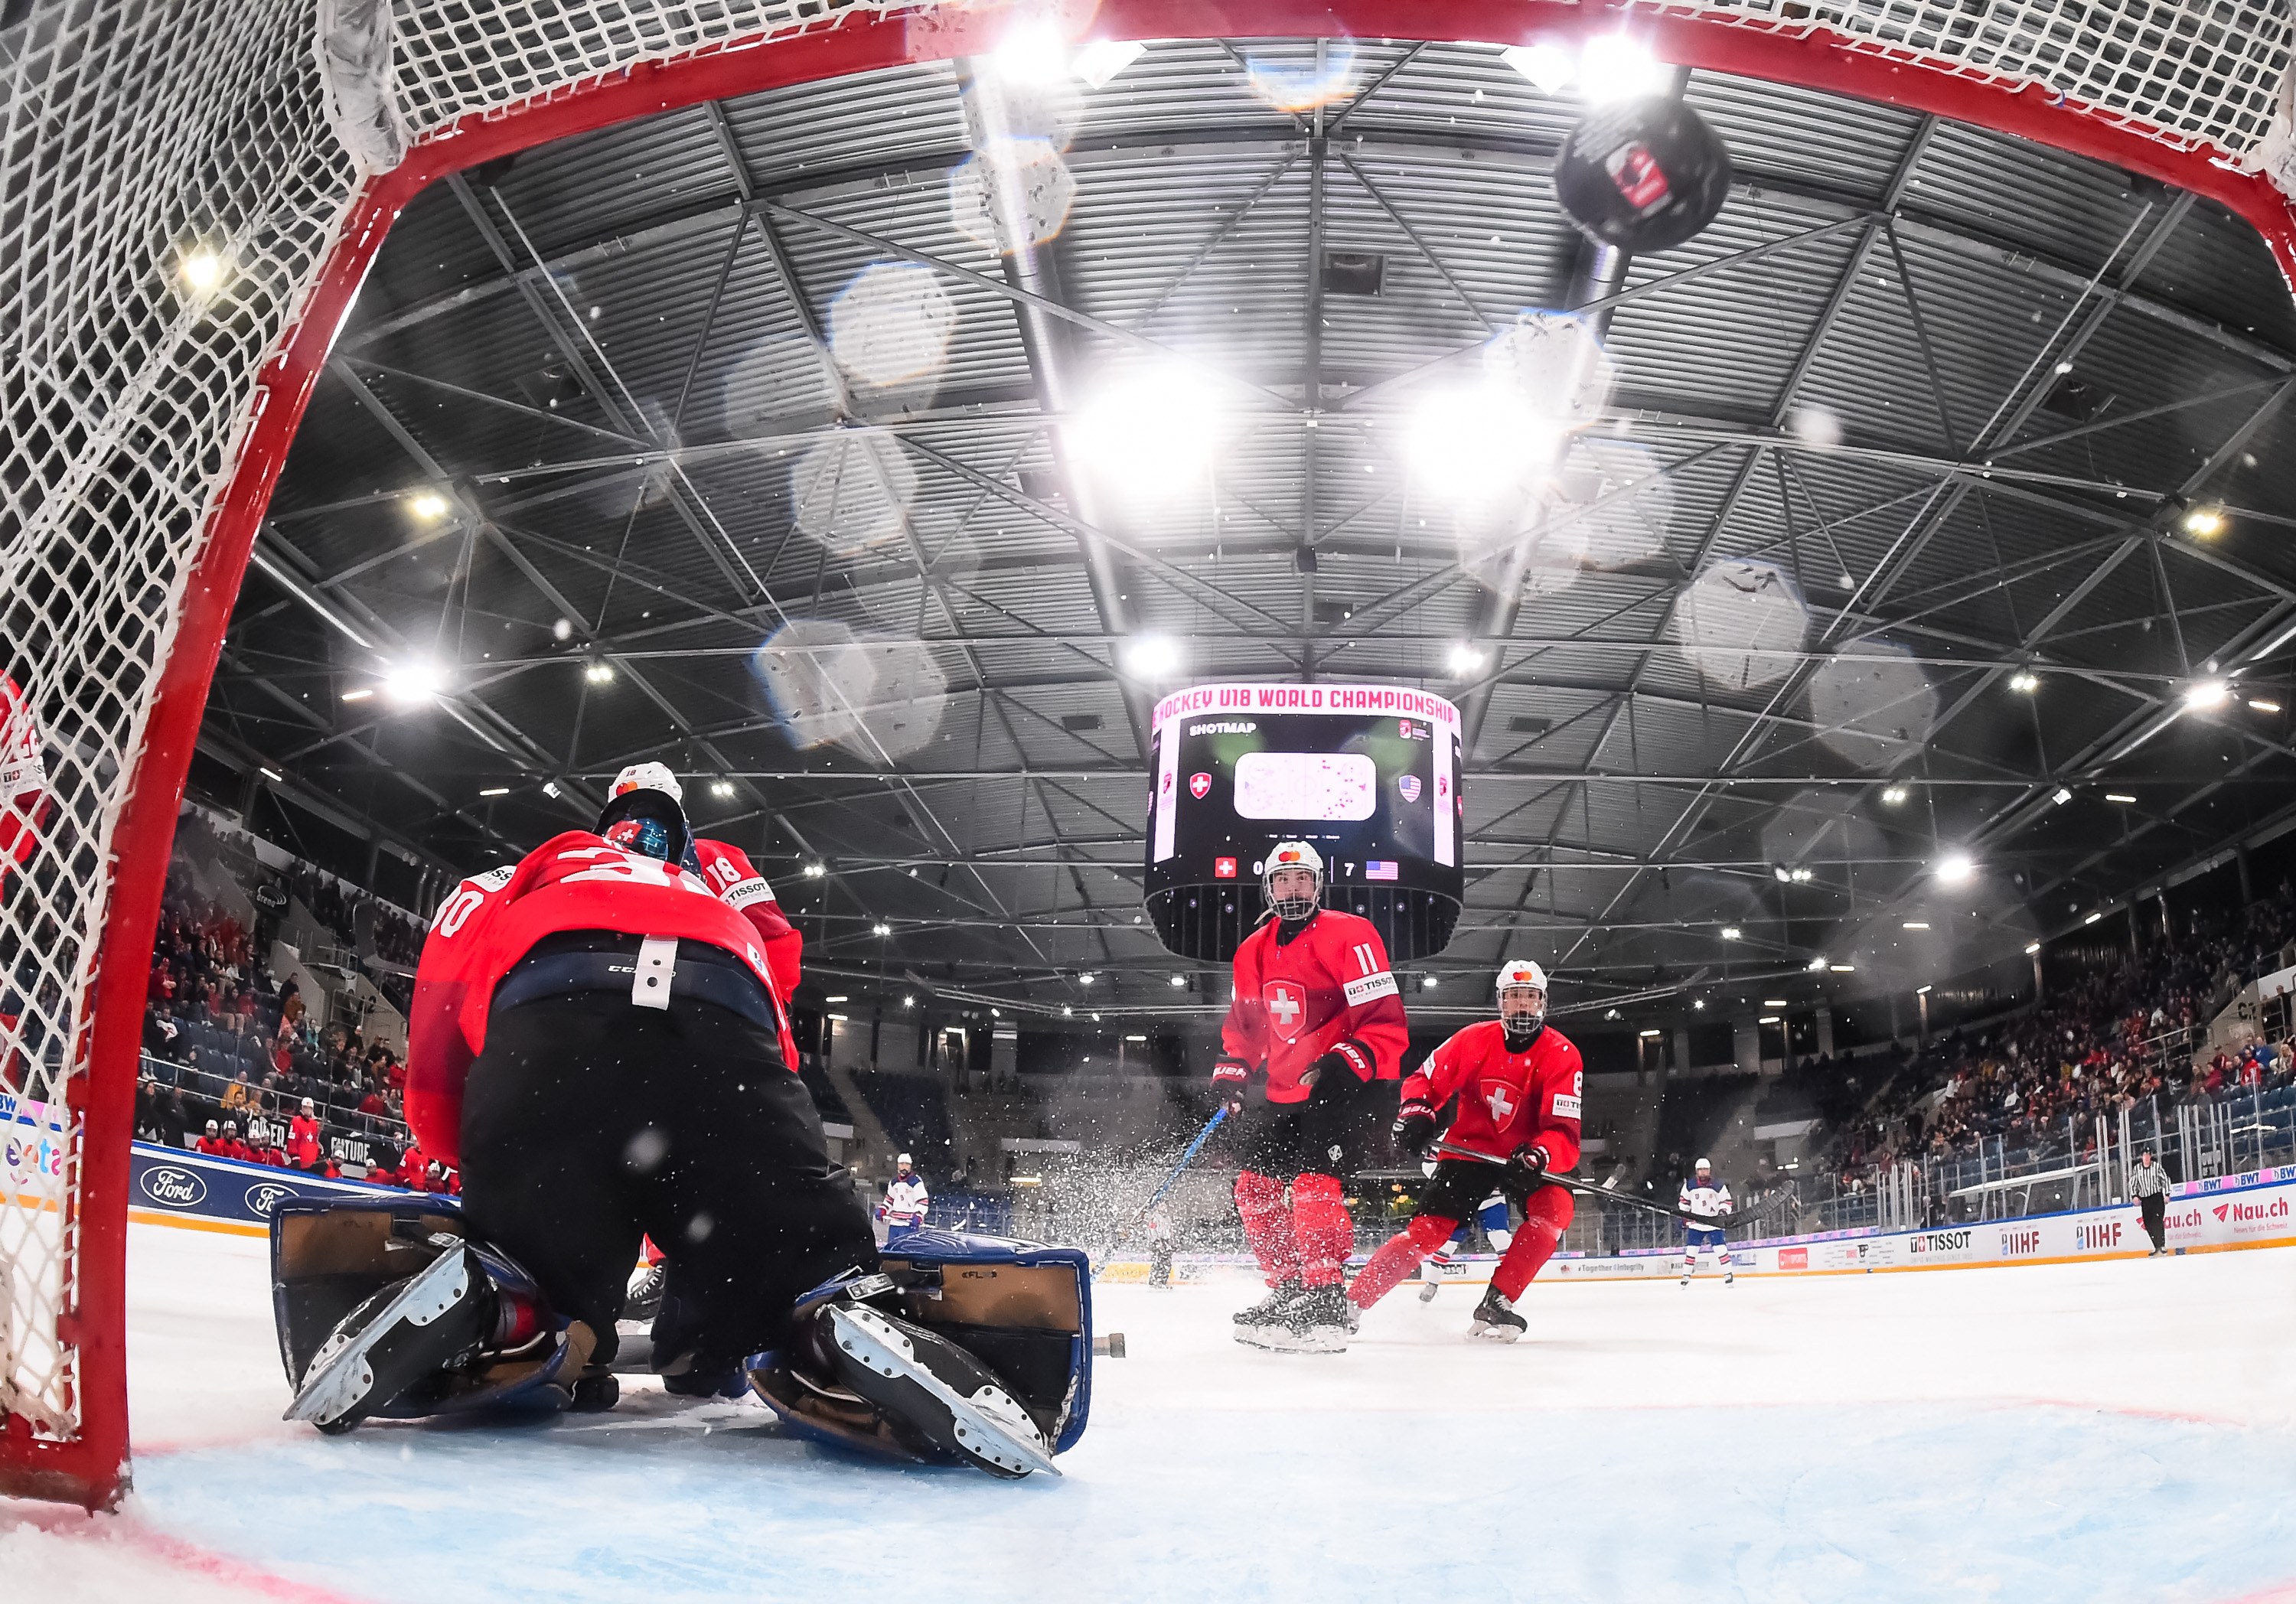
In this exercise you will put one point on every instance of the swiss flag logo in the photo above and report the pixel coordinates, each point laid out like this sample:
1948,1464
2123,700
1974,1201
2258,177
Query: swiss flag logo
1198,785
1287,1008
1223,868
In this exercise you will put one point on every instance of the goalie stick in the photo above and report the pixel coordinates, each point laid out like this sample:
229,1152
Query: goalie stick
1729,1221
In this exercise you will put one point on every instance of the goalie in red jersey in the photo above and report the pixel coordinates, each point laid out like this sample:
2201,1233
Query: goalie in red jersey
1519,1082
1318,1015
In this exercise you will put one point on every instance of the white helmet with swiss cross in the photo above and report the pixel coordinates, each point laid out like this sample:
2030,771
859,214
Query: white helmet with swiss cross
1523,1001
1292,856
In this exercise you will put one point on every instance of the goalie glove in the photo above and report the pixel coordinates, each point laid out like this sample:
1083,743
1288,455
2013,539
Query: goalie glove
1229,1076
1415,1128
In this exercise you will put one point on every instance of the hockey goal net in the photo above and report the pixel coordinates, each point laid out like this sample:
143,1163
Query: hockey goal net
191,192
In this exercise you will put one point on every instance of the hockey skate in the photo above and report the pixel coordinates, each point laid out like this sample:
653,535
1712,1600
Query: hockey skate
409,1330
642,1299
1271,1308
926,1386
1427,1290
1319,1321
1495,1319
1729,1276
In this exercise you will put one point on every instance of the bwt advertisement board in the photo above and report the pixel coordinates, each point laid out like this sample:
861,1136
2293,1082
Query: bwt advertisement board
1366,774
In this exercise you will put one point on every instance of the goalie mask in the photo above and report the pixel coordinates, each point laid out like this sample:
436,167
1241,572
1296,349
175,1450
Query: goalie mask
1287,859
645,814
1523,1003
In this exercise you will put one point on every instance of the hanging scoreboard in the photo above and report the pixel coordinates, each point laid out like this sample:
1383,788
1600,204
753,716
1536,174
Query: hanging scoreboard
1366,774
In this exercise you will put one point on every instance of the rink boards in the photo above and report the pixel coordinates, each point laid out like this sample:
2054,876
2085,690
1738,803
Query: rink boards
2254,1210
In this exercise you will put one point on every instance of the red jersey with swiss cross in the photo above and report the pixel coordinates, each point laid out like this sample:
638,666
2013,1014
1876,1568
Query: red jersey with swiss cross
23,774
1297,1000
576,881
1506,1099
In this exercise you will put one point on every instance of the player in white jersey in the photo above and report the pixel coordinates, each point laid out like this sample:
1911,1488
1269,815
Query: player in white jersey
906,1199
1709,1199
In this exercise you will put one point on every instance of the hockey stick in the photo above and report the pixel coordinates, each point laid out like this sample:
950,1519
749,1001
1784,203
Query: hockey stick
1179,1169
1586,1190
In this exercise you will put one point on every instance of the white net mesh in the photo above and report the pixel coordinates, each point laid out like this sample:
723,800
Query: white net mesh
2192,73
170,189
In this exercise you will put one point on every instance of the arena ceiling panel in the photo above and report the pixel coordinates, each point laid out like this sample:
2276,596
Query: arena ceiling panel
1934,478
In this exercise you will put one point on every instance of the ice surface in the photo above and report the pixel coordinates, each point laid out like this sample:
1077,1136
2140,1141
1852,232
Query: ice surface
2118,1430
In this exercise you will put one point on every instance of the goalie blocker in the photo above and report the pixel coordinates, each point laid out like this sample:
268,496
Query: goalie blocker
969,1349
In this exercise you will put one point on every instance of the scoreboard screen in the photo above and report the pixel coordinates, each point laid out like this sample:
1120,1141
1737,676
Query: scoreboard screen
1366,774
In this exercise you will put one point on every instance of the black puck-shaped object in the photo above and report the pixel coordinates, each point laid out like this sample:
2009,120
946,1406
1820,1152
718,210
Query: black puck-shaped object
1643,175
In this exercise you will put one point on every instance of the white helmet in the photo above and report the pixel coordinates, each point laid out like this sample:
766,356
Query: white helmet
648,776
904,1159
1521,1029
1293,855
1705,1164
1521,971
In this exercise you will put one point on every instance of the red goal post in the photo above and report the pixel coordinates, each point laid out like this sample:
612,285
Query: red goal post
183,228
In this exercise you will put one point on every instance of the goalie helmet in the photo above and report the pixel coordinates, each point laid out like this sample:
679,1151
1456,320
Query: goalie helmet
1293,855
645,814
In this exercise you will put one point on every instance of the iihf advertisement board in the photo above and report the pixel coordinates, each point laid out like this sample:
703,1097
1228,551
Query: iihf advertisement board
1366,774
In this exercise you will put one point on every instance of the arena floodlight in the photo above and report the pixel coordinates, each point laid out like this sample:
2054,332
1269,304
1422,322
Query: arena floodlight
1844,969
2263,706
2207,693
1031,52
1177,980
1087,979
413,681
1917,924
1549,64
2063,795
1464,659
361,694
1150,435
2025,682
1473,444
2093,918
1617,66
1730,932
1923,991
1817,965
2205,523
2119,796
599,672
429,503
1774,1002
1151,656
202,270
1956,867
1893,794
2032,947
880,928
496,790
721,788
1767,1020
815,871
1651,1033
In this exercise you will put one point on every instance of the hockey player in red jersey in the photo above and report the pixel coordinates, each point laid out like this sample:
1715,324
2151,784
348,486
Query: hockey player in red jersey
600,1044
1316,1018
1519,1083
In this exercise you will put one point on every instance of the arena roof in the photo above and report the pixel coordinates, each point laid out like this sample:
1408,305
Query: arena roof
1939,500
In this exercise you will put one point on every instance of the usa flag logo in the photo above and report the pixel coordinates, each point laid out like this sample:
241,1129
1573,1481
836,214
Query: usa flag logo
1384,869
1409,786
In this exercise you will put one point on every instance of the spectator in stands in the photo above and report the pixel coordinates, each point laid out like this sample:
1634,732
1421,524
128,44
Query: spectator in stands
174,1118
239,1097
303,1138
2150,1183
